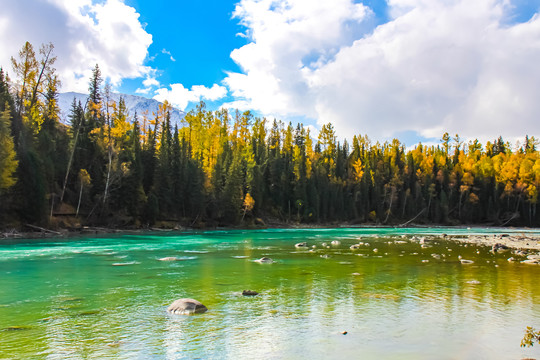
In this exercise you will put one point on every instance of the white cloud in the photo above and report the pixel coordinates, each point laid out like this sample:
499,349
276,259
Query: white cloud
143,91
84,33
214,93
180,97
241,105
166,52
149,82
288,36
435,66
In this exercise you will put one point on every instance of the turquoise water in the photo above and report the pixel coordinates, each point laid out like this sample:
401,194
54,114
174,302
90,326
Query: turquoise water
106,297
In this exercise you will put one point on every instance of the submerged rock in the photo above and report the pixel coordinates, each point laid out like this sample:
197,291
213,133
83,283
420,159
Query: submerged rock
187,307
72,299
264,260
88,313
249,293
16,328
474,282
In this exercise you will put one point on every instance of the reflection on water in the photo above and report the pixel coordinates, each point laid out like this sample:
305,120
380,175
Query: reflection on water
67,299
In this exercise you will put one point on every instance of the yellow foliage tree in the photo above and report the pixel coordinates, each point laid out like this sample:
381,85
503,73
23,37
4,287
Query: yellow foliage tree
8,161
248,205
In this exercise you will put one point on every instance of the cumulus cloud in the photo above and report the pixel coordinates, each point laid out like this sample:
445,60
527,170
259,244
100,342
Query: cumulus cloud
180,97
84,32
288,36
150,81
435,66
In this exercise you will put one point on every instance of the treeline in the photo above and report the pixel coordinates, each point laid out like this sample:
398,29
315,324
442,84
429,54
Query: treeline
216,168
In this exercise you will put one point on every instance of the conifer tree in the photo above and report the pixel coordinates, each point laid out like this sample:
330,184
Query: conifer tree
131,192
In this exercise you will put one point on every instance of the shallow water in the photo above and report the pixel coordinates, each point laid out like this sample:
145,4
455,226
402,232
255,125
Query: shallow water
106,297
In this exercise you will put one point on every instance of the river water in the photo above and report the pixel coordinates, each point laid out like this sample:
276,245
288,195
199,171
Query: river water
106,297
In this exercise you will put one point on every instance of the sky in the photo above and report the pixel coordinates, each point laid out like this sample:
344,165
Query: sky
411,69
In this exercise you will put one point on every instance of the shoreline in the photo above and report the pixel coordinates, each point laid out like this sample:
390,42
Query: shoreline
521,241
512,238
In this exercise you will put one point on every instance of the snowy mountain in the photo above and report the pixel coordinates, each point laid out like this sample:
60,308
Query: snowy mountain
134,104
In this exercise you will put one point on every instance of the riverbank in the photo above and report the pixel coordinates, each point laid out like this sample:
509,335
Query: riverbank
506,238
520,247
511,241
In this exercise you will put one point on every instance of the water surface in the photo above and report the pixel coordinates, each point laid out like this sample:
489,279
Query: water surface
106,297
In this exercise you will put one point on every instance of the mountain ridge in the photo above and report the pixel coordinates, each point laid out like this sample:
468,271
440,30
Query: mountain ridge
134,103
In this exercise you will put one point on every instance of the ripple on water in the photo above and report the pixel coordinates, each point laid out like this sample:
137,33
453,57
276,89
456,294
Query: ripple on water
306,301
177,258
127,263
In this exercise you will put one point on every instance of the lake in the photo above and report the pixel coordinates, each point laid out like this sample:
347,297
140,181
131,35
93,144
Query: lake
107,296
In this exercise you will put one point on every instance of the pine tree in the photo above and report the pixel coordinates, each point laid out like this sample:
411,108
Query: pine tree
94,104
131,192
162,188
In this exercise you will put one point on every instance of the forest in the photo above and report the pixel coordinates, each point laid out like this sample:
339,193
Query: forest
104,166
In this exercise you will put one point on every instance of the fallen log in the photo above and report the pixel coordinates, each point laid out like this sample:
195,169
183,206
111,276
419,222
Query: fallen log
43,229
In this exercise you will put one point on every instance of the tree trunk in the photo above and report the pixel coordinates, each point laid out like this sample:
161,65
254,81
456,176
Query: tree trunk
404,206
389,206
80,197
417,215
69,166
107,183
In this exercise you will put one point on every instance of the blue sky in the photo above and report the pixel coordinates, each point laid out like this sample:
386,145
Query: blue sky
411,69
199,35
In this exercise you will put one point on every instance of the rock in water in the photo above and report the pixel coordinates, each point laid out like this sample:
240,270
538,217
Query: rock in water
499,248
249,293
187,307
169,258
265,260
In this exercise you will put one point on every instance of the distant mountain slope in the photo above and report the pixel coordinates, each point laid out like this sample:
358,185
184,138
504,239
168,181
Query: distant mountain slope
134,104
